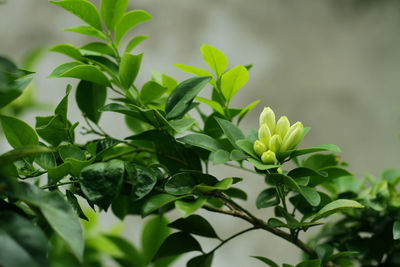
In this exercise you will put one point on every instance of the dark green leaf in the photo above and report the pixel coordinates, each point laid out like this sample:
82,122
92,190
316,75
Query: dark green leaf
194,224
155,202
267,198
180,184
129,69
98,48
73,201
247,146
222,185
18,132
261,166
310,263
187,207
201,140
220,157
71,151
90,97
182,97
234,192
128,21
154,233
101,182
299,152
181,125
266,261
83,72
176,244
201,261
231,131
142,179
22,152
396,230
112,11
83,9
22,243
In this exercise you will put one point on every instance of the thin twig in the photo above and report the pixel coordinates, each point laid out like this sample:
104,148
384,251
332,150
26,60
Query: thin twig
232,237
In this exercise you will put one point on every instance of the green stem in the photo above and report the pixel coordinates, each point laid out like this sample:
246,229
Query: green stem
242,168
59,184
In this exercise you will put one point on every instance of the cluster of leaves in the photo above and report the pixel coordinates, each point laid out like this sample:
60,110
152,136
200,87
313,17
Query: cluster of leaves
161,166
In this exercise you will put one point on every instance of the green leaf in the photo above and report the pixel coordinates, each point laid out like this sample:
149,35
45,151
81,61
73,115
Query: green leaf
234,192
266,261
128,21
310,263
232,132
204,260
182,125
246,110
311,195
155,202
180,100
88,30
233,80
129,69
299,152
238,155
98,48
83,9
101,182
90,97
126,251
220,157
180,184
142,179
261,166
57,173
112,11
213,104
247,146
215,59
154,233
151,91
396,230
22,242
267,198
58,214
194,224
336,206
185,208
222,185
71,151
134,42
196,71
73,201
68,50
83,72
176,244
201,140
18,132
21,153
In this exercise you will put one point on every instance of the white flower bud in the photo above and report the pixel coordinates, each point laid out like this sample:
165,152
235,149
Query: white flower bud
282,126
293,137
275,143
264,135
259,147
267,117
268,157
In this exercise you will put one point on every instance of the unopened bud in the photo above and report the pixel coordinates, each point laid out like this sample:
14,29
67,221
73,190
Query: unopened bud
282,126
293,137
275,143
267,117
268,157
259,147
279,170
264,134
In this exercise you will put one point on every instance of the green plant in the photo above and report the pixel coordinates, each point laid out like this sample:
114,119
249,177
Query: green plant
163,164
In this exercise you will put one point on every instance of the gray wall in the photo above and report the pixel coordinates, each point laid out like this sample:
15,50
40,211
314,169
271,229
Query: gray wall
331,64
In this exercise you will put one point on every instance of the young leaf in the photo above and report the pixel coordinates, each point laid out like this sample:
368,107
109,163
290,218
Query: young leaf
79,71
88,30
68,50
101,182
151,91
154,233
185,208
194,224
128,21
215,59
155,202
196,71
201,140
22,242
180,100
98,47
213,104
336,206
18,132
90,97
83,9
266,261
134,42
176,244
396,230
233,80
261,166
129,69
111,11
231,131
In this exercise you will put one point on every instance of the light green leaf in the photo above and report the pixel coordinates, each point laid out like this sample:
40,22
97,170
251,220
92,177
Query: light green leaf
134,42
151,91
231,131
129,69
154,233
83,9
261,166
233,80
98,48
336,206
213,104
221,185
112,11
266,261
128,21
201,140
215,59
221,156
247,146
18,132
186,208
68,50
84,72
63,68
87,30
196,71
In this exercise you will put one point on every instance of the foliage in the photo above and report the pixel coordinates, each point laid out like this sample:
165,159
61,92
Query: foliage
163,164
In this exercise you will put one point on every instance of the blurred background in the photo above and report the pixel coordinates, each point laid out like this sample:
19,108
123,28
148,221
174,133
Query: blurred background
334,65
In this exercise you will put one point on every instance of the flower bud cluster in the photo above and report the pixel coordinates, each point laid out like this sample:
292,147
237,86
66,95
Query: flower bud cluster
274,137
